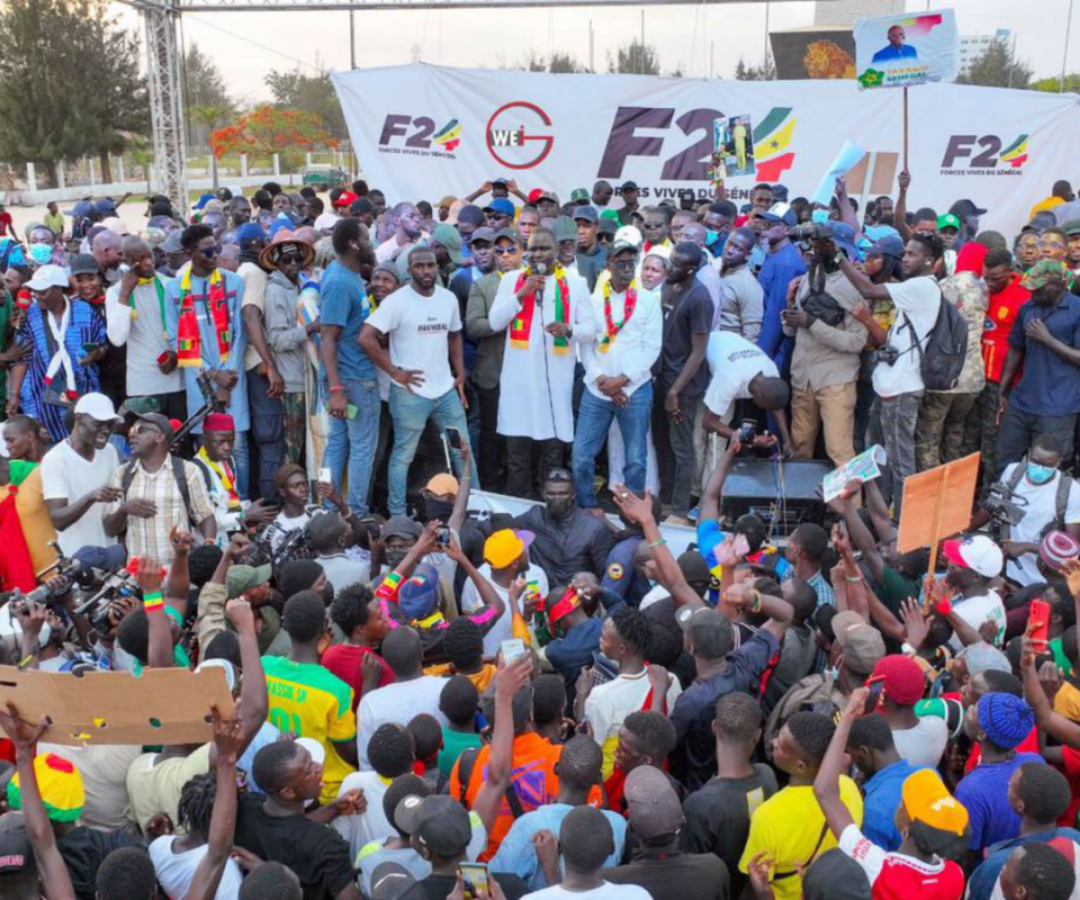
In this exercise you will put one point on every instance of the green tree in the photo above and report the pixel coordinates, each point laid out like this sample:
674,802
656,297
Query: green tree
997,67
1052,85
564,63
314,93
69,83
204,84
635,58
764,72
209,118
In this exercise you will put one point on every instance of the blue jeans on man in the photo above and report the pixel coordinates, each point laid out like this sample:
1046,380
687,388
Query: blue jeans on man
354,440
594,422
410,413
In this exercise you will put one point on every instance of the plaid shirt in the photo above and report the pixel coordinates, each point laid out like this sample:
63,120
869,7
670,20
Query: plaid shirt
150,537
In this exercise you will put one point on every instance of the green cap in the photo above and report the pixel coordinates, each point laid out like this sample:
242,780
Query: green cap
1072,227
450,238
1043,271
610,214
565,229
579,195
948,221
240,578
140,406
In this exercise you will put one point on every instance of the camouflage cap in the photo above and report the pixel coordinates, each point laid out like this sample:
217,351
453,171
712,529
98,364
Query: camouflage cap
1043,271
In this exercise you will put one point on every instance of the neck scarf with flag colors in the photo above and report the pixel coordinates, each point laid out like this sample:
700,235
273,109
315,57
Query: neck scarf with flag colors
225,474
521,326
189,350
612,328
59,784
368,305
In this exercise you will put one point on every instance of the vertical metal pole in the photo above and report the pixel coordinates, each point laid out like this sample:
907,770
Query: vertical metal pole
642,41
592,48
765,58
1065,55
352,41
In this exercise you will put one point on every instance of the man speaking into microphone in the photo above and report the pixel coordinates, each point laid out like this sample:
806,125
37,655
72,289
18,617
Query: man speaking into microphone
546,311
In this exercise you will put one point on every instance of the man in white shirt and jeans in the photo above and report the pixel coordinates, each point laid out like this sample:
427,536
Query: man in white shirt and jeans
618,374
897,379
423,322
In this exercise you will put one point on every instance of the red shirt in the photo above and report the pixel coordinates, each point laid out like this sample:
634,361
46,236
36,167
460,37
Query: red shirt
345,661
6,224
1004,307
894,876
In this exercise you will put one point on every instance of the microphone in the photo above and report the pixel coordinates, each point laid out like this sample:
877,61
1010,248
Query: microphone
540,269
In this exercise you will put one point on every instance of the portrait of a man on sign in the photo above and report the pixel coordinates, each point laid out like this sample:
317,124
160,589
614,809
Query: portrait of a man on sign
896,48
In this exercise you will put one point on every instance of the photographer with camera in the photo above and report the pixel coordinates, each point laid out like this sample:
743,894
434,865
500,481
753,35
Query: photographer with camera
898,380
1048,499
828,342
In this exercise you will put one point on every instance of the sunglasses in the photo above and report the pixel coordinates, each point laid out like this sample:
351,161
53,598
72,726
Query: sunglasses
290,257
559,475
503,251
209,252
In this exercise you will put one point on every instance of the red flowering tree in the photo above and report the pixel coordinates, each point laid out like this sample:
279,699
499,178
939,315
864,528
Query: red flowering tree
267,130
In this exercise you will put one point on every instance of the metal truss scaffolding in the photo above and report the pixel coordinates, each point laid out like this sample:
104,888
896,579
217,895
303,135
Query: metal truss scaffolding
166,102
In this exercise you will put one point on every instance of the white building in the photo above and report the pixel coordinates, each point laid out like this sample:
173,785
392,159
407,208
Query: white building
972,46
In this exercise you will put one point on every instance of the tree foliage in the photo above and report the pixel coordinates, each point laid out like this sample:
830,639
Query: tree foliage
69,82
764,72
1052,85
267,130
997,67
204,85
314,93
635,58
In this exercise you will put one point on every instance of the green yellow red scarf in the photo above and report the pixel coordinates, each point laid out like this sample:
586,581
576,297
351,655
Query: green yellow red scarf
521,326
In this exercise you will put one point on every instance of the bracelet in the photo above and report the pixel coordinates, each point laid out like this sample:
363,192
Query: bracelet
153,600
755,600
853,579
659,542
337,388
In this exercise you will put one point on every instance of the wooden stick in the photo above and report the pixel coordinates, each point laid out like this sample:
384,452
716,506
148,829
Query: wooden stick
936,537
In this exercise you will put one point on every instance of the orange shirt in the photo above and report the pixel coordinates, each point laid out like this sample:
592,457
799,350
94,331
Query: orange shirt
533,776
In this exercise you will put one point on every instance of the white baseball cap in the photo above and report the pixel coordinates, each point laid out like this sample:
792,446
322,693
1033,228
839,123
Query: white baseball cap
976,552
630,234
326,222
98,407
49,276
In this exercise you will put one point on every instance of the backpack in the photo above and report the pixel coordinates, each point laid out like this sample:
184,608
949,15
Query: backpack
941,358
1061,499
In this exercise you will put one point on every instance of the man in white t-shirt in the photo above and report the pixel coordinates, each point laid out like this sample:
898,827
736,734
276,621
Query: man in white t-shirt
412,692
423,323
898,384
1039,487
743,371
76,476
973,562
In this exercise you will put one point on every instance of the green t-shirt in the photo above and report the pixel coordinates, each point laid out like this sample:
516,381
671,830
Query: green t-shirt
1063,662
895,588
454,743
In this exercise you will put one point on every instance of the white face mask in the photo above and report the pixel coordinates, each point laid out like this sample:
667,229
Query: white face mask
832,672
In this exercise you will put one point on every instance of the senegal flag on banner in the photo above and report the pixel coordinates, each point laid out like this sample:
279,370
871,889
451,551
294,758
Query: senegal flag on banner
771,140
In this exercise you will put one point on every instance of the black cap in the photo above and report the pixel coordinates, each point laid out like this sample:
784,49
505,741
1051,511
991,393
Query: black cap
966,208
628,186
16,852
160,422
439,822
836,876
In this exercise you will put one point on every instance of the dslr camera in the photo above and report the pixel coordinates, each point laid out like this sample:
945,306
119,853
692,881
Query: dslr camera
998,500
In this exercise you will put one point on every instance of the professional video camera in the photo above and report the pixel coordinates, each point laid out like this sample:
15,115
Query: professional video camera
998,500
211,403
813,231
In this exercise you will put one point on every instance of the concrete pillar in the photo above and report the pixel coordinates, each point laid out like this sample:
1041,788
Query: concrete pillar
307,160
243,165
90,166
61,174
277,165
120,169
31,176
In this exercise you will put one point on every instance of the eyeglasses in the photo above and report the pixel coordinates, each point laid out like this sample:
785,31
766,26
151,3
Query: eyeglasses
290,256
559,475
209,252
624,263
503,251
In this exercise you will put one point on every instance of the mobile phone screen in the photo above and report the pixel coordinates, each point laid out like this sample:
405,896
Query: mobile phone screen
475,878
453,438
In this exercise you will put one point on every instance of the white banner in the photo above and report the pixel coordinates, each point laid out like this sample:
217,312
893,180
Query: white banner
424,131
899,51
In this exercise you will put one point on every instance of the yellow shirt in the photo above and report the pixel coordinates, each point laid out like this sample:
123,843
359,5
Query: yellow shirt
788,826
310,701
481,679
1067,702
35,519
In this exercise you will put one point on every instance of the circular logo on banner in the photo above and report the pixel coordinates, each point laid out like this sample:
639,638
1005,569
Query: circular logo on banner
515,135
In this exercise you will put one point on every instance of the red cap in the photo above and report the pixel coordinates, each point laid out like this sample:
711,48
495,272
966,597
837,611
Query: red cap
535,194
347,198
904,679
218,422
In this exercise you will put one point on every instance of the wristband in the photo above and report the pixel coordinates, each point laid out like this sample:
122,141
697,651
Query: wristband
337,388
659,542
388,589
153,600
755,600
943,606
853,579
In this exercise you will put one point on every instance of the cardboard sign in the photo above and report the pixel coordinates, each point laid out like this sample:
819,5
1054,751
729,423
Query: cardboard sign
733,139
160,706
905,50
937,504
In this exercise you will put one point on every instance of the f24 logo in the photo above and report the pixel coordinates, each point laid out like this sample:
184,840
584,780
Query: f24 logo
422,128
692,164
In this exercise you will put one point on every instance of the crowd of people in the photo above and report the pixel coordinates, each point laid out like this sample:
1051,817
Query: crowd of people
264,426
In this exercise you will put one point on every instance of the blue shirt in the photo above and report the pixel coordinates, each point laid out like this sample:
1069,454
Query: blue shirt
895,54
983,880
710,536
517,856
341,302
776,274
984,792
208,341
620,576
568,654
881,801
1049,386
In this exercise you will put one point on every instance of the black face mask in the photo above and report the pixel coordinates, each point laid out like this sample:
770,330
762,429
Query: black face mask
562,508
434,508
395,558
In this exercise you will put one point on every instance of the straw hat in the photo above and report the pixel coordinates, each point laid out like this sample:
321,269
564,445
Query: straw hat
284,238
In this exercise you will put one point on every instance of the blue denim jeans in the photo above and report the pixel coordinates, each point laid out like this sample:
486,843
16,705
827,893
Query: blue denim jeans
242,459
410,413
354,440
593,424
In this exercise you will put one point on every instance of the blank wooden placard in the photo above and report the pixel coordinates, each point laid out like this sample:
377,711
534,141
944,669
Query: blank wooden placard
158,707
937,503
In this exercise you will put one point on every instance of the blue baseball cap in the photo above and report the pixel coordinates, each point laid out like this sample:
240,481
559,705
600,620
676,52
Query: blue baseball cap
248,232
419,595
500,205
844,238
781,213
203,200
